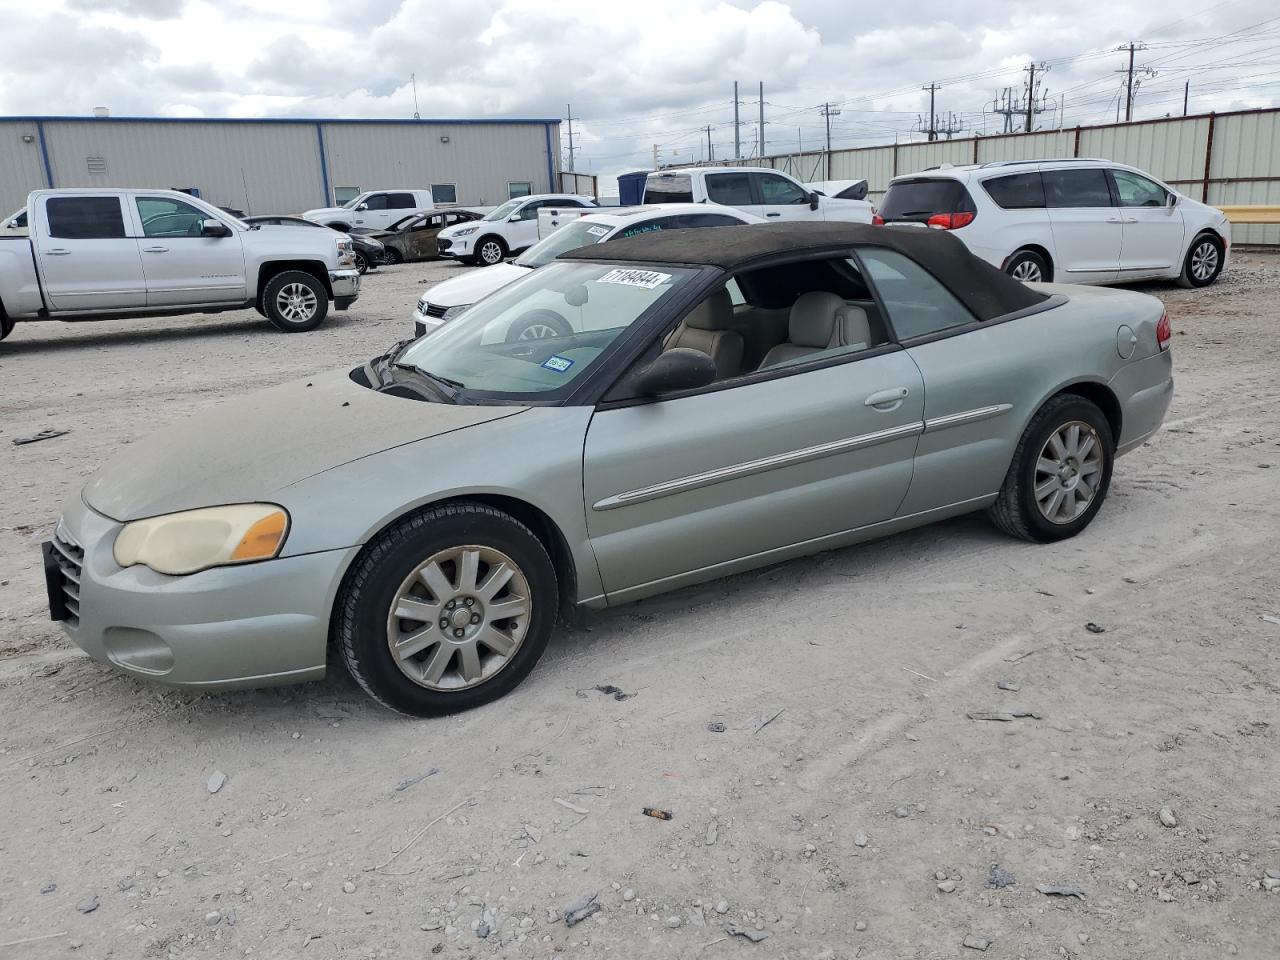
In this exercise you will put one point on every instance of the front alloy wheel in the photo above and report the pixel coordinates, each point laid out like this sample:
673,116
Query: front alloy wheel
459,618
1204,262
490,252
295,301
447,609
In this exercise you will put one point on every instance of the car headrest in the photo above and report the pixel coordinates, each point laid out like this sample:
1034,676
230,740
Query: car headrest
854,326
813,319
713,313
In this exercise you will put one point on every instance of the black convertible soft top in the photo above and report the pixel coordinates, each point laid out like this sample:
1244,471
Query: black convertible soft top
986,291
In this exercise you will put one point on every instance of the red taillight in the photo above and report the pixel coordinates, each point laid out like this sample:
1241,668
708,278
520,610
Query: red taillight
1164,331
950,221
877,220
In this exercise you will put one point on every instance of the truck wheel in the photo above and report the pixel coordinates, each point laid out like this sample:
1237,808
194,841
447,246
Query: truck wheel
490,250
446,609
6,326
295,301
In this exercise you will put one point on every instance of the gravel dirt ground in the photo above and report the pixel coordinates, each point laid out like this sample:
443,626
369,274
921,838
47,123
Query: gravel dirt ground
807,726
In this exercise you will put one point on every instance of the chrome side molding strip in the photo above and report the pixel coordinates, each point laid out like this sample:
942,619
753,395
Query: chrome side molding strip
967,416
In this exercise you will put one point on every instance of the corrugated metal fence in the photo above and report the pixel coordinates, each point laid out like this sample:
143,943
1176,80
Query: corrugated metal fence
1221,159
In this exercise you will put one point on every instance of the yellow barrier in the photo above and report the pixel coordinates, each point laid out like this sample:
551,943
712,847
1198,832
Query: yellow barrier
1252,213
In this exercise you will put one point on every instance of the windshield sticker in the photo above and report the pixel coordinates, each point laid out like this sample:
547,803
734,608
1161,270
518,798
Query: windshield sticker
648,279
643,228
557,363
597,231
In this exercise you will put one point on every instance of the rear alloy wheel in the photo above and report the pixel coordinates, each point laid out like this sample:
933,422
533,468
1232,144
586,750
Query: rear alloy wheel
489,251
1029,267
1060,474
295,301
447,609
1203,262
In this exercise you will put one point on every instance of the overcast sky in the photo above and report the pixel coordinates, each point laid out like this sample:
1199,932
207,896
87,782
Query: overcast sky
637,72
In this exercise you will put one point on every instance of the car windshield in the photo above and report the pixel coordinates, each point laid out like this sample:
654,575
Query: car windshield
534,339
579,233
355,202
504,211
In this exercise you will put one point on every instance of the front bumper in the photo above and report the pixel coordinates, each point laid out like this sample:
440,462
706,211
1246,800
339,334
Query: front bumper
254,625
454,247
345,284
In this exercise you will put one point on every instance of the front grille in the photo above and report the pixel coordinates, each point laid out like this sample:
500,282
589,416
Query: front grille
70,558
434,310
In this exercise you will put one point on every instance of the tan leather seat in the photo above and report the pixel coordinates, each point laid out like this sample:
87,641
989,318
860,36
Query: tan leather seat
819,321
708,329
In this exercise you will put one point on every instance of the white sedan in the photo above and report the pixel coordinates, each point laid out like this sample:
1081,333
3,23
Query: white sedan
446,300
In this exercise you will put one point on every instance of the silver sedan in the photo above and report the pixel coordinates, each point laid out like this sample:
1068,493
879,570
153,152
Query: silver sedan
716,401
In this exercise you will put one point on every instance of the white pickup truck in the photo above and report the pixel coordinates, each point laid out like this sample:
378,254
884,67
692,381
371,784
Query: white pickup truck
373,210
762,191
108,254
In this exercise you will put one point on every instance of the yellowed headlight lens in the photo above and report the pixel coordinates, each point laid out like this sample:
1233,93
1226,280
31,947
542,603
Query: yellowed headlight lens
194,540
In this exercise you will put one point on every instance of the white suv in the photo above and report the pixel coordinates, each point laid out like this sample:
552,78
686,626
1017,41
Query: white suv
503,231
1075,221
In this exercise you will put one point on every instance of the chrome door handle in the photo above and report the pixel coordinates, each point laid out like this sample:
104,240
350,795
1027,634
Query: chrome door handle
887,400
155,249
57,252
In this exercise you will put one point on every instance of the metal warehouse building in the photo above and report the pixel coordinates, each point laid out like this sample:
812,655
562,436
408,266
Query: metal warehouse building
280,166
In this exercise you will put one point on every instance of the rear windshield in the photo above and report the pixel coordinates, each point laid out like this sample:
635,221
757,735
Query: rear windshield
668,188
918,200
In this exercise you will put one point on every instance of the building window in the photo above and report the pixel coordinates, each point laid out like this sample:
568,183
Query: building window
519,188
444,193
344,195
96,164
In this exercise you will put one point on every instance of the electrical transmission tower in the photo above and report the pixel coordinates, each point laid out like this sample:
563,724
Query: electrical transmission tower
1033,101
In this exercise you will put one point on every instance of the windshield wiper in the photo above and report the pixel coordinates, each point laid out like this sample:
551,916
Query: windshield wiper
446,387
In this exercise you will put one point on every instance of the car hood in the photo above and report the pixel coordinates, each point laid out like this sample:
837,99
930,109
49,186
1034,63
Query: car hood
245,450
474,284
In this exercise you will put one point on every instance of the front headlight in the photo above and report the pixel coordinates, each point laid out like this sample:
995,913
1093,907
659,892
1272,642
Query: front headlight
454,311
464,232
195,540
346,255
376,244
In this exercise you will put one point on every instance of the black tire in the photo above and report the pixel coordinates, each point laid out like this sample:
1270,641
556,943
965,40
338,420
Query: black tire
340,227
362,262
1029,267
538,325
1206,248
360,622
490,250
1016,510
6,326
275,310
392,256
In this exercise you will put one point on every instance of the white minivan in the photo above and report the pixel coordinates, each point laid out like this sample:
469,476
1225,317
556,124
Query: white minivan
1073,221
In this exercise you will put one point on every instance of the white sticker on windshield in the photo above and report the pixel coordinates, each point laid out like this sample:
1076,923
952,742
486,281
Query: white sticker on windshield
597,231
648,279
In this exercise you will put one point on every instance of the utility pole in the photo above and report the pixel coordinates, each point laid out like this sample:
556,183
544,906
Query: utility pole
1186,95
1130,83
568,109
413,79
761,152
655,156
933,88
710,156
1033,90
737,129
828,113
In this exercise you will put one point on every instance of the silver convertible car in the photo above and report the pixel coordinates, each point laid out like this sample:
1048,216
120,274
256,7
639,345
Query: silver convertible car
721,400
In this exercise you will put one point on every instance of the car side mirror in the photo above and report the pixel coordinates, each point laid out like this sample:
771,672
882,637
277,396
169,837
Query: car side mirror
674,370
813,200
363,206
1173,200
214,228
515,218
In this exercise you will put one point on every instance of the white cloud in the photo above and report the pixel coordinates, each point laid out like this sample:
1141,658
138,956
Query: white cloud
639,71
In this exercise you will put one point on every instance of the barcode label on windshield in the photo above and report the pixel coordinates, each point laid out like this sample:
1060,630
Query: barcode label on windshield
648,279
